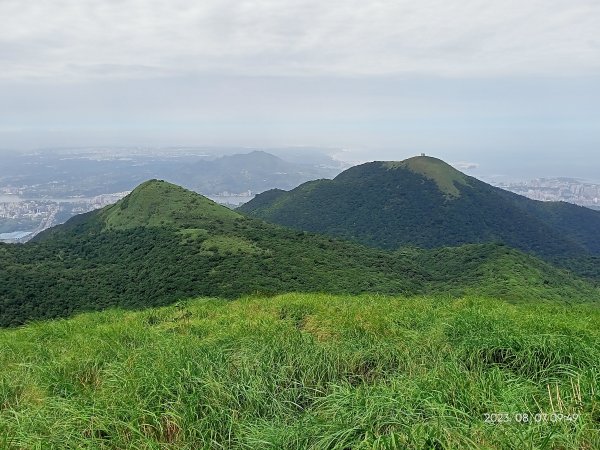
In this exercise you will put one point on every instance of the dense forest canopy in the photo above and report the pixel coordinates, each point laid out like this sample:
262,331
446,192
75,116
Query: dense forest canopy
427,203
163,243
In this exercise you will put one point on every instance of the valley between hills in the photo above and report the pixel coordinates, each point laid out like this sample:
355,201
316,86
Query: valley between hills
399,305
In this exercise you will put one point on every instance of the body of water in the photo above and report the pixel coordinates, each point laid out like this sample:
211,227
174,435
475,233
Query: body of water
14,235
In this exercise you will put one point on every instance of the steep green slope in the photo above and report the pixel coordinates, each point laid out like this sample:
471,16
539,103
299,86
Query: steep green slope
445,176
425,202
154,203
163,243
307,372
503,273
580,224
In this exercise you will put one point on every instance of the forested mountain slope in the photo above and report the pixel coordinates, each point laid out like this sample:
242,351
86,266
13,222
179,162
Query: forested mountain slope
163,243
425,202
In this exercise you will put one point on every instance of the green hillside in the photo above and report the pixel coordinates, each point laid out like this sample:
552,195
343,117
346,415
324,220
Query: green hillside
445,176
154,203
427,203
305,371
163,243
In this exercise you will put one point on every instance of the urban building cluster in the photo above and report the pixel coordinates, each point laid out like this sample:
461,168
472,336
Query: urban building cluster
558,189
28,217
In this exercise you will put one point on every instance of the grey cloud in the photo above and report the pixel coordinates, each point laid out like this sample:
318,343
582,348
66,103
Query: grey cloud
465,165
465,80
73,38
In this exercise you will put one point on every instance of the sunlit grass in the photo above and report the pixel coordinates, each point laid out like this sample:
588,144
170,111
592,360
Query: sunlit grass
306,371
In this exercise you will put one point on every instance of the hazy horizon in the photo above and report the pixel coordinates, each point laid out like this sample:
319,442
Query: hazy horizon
513,89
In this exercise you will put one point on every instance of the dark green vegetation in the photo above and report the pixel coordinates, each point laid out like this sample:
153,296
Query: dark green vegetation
163,243
304,371
482,346
425,202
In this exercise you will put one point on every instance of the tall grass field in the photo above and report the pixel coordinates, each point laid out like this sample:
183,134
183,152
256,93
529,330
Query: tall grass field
303,371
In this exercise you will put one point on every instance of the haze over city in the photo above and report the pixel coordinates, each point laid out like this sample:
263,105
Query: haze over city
509,89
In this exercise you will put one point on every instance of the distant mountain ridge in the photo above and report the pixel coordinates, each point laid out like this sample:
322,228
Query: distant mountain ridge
163,243
255,171
60,185
425,202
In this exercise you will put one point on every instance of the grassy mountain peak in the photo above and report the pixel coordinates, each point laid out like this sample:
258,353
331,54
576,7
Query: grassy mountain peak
159,203
425,202
445,176
163,243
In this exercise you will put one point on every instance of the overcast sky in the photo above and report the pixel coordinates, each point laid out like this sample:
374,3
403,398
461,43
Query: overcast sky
468,80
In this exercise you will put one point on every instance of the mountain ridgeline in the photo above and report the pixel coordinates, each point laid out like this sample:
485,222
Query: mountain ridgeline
425,202
256,171
163,243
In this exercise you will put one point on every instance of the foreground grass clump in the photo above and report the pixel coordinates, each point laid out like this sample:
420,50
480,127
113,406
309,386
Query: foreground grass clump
307,371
